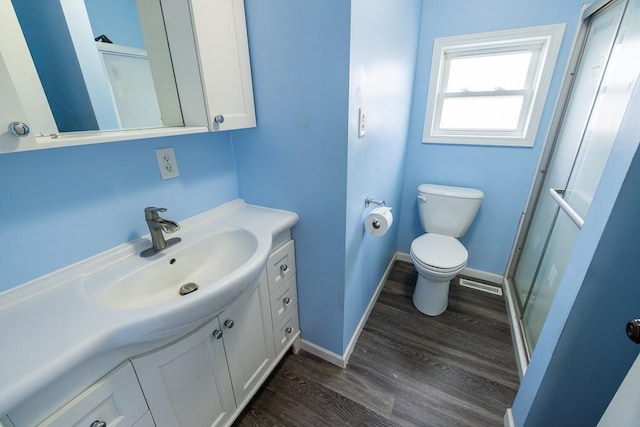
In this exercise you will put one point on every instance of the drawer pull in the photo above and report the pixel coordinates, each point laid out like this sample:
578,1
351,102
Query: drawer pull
98,423
289,329
286,300
217,334
284,268
229,323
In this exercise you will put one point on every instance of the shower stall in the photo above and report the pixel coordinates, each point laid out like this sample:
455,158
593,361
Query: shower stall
603,70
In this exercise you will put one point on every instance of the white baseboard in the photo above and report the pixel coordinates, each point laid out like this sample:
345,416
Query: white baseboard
508,418
367,312
470,272
401,256
483,275
323,353
519,345
342,360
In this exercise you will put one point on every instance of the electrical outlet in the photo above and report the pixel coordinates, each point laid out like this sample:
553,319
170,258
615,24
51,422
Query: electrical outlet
167,163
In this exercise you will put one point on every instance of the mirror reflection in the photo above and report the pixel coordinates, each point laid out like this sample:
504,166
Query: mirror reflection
104,65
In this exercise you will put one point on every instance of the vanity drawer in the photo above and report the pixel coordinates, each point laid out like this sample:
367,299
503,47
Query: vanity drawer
281,266
116,399
283,301
286,332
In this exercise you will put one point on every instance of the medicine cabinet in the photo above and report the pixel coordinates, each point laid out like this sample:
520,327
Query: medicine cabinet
69,78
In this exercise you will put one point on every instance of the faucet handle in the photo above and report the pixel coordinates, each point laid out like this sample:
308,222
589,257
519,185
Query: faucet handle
152,213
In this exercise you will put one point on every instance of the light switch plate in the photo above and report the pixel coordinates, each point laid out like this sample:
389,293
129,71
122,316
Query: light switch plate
362,116
167,163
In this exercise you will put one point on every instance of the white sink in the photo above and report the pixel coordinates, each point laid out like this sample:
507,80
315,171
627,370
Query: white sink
205,262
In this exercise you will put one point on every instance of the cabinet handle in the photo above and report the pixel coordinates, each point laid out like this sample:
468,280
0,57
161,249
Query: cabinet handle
18,129
284,268
286,300
217,334
219,118
289,329
229,323
98,423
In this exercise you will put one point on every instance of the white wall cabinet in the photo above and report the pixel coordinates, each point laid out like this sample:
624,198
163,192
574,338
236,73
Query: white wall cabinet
202,75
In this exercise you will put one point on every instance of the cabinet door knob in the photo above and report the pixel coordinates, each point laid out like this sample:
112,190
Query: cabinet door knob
289,329
286,300
229,323
633,330
98,423
219,118
217,334
18,129
284,268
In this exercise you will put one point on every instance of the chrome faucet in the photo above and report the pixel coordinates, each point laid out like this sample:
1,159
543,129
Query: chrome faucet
157,226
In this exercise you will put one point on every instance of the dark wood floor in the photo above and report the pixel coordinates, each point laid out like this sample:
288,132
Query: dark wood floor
407,369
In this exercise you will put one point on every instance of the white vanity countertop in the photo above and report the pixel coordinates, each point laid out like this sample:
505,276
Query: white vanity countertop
49,325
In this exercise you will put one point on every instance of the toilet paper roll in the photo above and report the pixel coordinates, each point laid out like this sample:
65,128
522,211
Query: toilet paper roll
378,221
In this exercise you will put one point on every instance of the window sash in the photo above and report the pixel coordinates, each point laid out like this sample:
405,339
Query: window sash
525,112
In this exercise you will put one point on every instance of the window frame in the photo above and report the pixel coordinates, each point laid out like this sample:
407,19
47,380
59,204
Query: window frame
544,44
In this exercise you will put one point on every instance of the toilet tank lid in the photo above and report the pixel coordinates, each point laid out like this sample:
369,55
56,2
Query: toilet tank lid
445,190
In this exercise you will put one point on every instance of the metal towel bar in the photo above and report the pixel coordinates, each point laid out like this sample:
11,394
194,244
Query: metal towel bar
573,215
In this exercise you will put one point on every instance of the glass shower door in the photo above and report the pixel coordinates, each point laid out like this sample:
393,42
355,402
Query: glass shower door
605,77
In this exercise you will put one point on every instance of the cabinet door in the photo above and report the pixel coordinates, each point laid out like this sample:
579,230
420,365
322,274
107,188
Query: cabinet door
223,50
248,339
187,383
23,99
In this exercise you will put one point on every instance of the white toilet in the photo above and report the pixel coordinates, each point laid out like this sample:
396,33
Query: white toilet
445,213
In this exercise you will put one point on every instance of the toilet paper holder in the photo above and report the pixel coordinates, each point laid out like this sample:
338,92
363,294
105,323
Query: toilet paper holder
368,201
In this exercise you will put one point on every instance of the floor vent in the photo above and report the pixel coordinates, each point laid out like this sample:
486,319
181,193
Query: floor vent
495,290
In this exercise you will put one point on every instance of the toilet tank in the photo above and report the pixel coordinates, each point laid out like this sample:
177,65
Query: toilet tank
447,210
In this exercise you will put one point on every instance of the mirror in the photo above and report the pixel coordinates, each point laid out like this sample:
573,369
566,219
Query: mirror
104,65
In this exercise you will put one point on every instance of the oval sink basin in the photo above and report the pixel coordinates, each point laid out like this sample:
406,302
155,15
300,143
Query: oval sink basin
159,279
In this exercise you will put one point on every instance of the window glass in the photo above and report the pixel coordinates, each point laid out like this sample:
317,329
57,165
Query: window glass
482,113
488,72
490,88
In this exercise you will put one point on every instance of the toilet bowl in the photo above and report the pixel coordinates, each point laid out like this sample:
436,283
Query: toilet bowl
445,214
438,259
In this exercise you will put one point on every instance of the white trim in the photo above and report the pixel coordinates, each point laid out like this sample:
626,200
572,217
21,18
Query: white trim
342,360
508,418
483,275
469,272
550,36
323,353
402,256
356,334
517,334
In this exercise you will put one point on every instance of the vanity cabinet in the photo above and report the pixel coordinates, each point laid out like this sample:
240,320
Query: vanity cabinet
202,378
281,272
116,400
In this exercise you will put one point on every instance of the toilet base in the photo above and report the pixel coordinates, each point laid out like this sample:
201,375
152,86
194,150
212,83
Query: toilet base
431,297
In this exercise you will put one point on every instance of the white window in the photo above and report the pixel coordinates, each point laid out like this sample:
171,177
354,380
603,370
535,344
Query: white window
490,88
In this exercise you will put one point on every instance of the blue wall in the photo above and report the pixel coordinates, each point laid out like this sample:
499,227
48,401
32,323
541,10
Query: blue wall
583,353
296,158
61,206
384,38
503,173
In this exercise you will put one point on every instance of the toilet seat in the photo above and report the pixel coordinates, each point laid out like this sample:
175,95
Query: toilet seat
439,253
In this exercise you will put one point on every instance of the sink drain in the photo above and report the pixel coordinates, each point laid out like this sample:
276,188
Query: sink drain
187,288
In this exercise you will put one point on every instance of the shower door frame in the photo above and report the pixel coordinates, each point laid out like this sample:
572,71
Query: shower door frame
523,353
